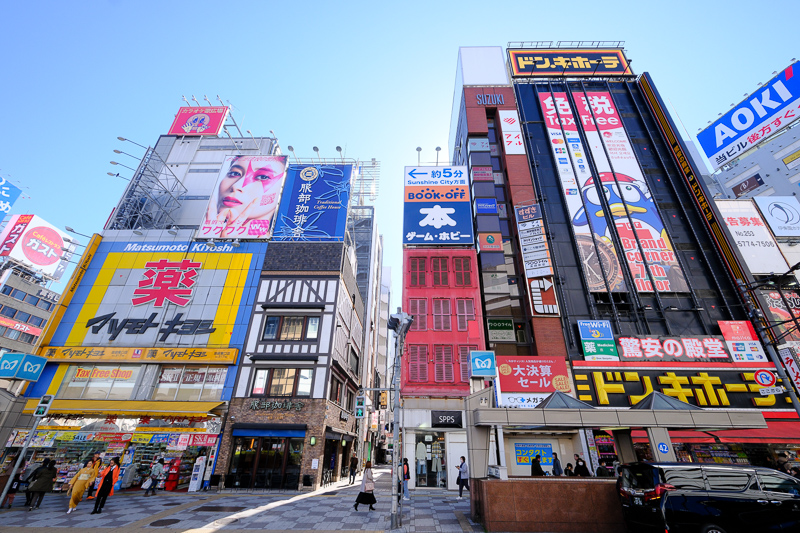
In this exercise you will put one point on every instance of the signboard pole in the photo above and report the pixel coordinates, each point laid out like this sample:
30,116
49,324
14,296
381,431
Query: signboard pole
20,458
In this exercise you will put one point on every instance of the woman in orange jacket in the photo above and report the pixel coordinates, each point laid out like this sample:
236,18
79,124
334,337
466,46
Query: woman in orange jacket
107,480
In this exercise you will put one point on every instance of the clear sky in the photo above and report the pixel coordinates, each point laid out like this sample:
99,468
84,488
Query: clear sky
375,78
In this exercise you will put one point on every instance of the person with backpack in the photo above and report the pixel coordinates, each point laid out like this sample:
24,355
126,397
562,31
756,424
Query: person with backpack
156,475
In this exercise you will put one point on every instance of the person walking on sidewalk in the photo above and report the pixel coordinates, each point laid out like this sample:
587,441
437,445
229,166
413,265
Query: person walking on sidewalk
406,477
367,489
156,475
536,467
580,468
107,480
29,495
96,463
12,490
43,480
78,484
557,470
353,467
463,477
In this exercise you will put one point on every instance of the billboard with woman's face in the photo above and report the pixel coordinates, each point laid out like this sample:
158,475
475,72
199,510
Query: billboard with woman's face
245,198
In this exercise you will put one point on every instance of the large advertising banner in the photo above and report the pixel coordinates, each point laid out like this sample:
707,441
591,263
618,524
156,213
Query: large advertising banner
314,203
627,193
755,243
524,381
691,349
37,244
152,295
779,317
199,121
513,140
564,62
438,209
723,386
245,198
771,108
580,194
782,213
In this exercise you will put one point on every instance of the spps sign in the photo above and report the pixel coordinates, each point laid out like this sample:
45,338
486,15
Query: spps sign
438,210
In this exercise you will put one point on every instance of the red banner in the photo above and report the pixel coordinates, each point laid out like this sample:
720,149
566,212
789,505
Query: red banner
532,374
19,326
199,121
737,330
202,440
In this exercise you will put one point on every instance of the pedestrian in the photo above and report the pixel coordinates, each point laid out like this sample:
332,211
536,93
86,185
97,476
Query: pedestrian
15,483
568,472
30,477
353,467
557,470
580,468
107,480
43,480
156,475
794,472
536,467
83,479
367,488
463,477
602,471
5,473
96,462
406,477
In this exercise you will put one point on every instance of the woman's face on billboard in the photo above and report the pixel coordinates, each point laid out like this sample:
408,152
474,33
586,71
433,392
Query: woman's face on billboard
250,186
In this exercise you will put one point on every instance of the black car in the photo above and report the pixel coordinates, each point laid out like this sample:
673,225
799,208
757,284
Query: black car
707,498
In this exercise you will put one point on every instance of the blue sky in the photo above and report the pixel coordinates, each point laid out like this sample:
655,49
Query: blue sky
376,79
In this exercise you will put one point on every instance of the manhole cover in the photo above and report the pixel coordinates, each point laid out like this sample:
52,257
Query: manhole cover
219,509
165,522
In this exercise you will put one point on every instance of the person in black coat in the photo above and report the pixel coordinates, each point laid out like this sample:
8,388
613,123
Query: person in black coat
581,469
536,467
41,482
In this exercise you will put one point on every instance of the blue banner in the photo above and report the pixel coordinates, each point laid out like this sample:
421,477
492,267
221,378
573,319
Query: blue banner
8,195
438,223
526,451
595,330
314,203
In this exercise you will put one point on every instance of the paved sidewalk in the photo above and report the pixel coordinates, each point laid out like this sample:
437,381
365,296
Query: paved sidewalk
328,509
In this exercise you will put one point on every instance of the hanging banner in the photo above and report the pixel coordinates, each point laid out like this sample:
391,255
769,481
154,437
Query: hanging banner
630,199
755,242
511,131
589,223
524,381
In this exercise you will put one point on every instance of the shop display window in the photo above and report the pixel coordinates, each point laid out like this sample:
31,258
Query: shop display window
99,382
430,462
190,383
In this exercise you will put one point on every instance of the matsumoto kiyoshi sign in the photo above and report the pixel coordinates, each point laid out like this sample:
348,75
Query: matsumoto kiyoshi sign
159,295
438,210
314,203
771,108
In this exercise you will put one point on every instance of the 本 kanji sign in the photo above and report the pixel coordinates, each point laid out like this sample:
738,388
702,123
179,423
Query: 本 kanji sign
438,210
562,62
658,349
627,384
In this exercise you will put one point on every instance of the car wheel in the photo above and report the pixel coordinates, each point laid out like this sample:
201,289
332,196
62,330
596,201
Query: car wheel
712,529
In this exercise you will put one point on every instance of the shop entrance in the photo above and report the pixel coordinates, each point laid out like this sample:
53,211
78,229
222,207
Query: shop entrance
430,461
265,463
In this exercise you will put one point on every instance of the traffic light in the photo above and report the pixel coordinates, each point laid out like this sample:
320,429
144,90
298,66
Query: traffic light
384,400
43,406
360,407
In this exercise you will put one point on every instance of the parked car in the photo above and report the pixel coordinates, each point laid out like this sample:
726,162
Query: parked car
707,498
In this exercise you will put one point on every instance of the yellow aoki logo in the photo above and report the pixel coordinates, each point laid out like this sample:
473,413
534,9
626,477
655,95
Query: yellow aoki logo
505,369
309,174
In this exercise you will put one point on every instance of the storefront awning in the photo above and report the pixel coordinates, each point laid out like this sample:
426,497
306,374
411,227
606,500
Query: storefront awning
127,408
776,432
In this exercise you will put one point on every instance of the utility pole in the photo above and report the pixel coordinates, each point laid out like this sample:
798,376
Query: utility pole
400,324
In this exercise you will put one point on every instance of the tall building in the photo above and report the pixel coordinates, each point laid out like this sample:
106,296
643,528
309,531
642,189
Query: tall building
217,320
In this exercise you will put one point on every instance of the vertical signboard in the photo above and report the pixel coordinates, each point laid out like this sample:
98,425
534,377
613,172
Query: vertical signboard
8,195
314,202
438,210
245,198
755,243
587,216
789,360
761,115
630,200
597,339
512,133
537,260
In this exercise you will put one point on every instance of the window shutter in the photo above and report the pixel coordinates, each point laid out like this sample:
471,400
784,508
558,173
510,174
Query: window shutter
413,355
447,356
437,315
463,360
443,272
422,316
461,314
422,363
438,364
445,315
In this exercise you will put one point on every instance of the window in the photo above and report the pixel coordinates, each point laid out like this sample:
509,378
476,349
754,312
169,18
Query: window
31,299
778,483
439,267
463,273
418,362
22,317
27,337
43,304
36,321
419,310
190,383
99,382
271,328
12,334
337,391
354,361
443,360
282,383
727,480
519,333
291,328
465,311
7,290
304,379
351,401
8,311
441,315
18,294
417,271
260,382
690,478
464,362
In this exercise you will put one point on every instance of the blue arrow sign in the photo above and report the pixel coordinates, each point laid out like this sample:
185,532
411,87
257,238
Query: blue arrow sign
414,173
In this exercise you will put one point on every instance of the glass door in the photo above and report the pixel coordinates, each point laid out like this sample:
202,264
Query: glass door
270,461
245,450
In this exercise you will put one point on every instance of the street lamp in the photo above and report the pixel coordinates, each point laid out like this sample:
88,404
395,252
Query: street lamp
130,141
76,232
120,164
400,323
